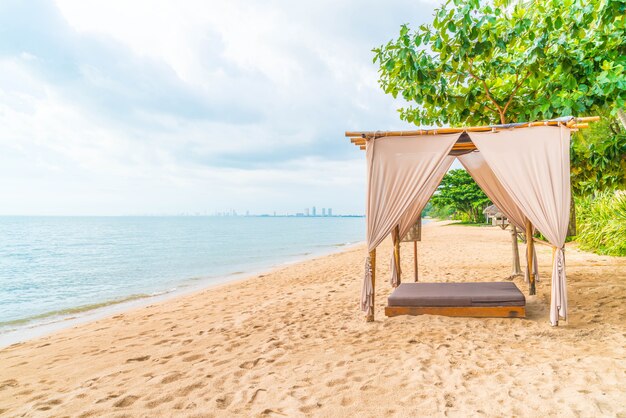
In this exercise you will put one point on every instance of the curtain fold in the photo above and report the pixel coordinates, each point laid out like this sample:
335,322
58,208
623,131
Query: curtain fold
395,270
398,169
477,167
412,214
533,166
367,291
484,176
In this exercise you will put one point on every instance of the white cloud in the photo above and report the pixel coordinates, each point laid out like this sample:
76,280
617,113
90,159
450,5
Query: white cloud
118,107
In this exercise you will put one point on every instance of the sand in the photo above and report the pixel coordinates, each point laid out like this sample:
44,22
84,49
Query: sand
293,343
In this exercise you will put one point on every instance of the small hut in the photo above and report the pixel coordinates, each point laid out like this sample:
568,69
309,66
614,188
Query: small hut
496,216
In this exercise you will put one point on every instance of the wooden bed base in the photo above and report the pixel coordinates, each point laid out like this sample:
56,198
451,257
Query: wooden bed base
470,311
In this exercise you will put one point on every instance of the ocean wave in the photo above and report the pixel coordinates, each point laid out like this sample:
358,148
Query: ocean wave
62,314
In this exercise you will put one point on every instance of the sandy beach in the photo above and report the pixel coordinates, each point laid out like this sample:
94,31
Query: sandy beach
293,342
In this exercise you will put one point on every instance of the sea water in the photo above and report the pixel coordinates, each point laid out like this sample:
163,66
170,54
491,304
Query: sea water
53,267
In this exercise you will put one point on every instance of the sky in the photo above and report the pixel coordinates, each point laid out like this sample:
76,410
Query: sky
169,107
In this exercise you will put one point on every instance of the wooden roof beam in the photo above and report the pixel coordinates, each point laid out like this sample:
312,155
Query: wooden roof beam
576,123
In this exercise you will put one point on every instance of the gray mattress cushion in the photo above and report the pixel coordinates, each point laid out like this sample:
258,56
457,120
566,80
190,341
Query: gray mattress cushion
457,294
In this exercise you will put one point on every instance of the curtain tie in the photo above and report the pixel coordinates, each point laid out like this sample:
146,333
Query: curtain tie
558,297
368,290
395,270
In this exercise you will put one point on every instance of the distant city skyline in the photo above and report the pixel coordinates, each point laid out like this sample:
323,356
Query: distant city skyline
327,212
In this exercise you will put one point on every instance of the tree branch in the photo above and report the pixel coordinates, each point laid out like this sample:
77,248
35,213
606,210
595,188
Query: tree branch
491,108
471,73
517,86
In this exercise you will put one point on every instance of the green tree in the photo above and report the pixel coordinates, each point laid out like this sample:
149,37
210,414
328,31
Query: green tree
459,191
483,62
486,62
599,158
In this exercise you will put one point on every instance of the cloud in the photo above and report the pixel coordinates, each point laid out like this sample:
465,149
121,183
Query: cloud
116,107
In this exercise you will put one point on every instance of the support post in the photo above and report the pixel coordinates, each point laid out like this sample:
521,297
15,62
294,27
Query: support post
415,259
530,250
370,314
516,269
396,251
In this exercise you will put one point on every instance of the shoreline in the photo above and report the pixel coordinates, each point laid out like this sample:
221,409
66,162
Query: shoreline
293,342
34,329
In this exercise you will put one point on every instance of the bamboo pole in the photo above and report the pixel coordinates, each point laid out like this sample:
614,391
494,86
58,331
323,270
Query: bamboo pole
542,242
396,251
459,146
370,314
455,147
530,249
576,123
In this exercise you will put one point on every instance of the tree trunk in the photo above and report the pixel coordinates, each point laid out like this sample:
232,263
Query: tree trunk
571,228
622,116
517,270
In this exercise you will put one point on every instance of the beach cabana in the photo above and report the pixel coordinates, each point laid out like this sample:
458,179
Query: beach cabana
524,168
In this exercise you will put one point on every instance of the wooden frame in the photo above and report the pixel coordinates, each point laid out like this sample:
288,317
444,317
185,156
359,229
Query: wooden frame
360,138
465,311
530,257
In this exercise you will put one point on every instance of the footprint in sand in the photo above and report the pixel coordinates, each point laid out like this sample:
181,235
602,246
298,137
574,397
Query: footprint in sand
126,401
172,377
192,358
142,358
185,391
157,402
224,401
8,383
250,364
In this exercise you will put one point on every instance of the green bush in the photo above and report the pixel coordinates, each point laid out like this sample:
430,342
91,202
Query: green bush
439,212
602,223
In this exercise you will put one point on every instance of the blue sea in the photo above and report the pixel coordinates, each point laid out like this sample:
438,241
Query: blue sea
52,268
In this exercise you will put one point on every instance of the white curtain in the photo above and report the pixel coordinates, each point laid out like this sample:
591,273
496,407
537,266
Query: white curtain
477,167
414,211
416,207
398,171
533,166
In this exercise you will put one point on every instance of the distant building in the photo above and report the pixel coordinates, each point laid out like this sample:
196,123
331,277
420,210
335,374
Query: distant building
314,212
330,211
496,216
247,213
306,211
323,211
